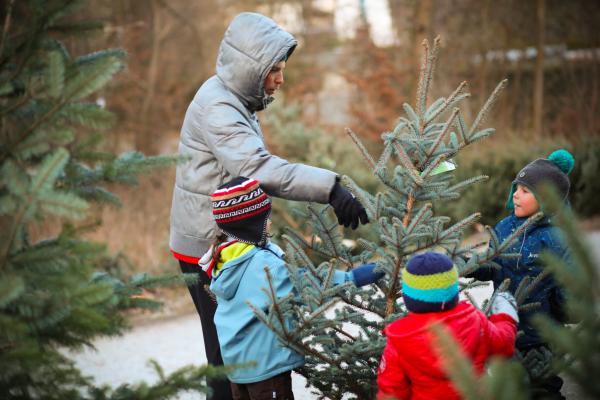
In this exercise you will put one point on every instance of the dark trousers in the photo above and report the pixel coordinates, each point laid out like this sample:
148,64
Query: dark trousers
206,307
278,387
547,388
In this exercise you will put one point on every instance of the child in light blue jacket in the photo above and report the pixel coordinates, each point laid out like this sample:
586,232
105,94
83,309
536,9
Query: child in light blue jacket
236,263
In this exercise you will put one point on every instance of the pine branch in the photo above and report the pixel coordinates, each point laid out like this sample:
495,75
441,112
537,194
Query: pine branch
299,252
272,293
487,107
447,102
460,226
392,294
470,298
521,293
363,151
407,164
351,302
329,236
342,332
426,78
56,74
468,182
43,180
11,288
442,134
327,282
461,127
381,166
424,213
421,87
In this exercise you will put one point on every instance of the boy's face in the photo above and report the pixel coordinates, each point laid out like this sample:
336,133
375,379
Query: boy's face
525,202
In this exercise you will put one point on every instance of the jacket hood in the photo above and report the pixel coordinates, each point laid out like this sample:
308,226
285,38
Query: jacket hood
250,47
226,283
410,334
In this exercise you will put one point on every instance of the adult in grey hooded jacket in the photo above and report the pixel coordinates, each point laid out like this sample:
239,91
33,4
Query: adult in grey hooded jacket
222,137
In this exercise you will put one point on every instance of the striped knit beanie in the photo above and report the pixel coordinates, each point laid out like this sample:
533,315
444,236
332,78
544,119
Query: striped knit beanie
241,210
430,283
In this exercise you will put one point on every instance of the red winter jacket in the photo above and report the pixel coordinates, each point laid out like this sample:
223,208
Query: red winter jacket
410,366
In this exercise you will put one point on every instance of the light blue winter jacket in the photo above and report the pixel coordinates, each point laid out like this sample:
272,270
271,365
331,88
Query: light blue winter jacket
243,338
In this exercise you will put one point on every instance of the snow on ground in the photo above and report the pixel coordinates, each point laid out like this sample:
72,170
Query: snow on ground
173,343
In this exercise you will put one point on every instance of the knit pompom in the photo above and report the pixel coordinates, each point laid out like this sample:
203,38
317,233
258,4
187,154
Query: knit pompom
563,160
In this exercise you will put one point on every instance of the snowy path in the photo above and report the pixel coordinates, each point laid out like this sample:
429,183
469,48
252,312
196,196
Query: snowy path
173,343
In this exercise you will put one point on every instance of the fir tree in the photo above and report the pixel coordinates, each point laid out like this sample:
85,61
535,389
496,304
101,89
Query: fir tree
339,328
53,293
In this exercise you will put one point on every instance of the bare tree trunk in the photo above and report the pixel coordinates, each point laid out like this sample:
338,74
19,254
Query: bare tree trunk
143,139
538,91
483,71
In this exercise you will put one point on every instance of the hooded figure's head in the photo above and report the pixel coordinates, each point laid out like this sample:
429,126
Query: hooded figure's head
251,46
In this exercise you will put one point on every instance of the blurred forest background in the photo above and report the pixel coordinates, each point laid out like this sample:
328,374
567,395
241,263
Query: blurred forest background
356,64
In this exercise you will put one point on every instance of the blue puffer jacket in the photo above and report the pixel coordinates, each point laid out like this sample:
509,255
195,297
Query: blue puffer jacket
539,237
243,338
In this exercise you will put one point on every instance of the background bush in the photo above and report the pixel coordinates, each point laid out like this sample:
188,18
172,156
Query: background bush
505,157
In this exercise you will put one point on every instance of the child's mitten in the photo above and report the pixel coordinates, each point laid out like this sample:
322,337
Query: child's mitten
364,275
505,303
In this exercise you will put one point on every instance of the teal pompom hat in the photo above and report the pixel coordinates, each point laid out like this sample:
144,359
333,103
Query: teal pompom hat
553,170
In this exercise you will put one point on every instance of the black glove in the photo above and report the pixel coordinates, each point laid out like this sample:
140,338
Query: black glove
348,209
537,362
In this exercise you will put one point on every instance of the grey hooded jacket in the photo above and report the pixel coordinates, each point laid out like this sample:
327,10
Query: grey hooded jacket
222,138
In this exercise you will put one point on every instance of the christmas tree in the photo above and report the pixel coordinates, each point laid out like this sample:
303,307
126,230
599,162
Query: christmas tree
339,328
53,293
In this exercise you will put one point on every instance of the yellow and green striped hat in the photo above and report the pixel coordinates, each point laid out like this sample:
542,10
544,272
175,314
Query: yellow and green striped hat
430,283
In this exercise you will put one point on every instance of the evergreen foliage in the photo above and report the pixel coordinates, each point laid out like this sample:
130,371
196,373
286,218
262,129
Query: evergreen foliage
53,293
575,346
339,328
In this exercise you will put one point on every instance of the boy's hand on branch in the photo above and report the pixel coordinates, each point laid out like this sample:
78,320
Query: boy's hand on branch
348,209
364,275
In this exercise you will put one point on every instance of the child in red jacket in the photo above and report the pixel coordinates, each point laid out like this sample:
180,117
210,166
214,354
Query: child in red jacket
411,366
